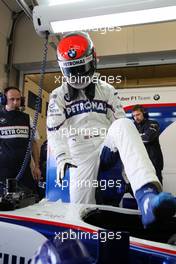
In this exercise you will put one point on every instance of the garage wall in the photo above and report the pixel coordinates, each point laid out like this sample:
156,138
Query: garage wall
138,39
28,45
41,125
5,26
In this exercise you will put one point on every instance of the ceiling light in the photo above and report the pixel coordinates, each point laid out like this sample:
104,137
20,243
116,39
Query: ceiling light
114,20
57,2
94,15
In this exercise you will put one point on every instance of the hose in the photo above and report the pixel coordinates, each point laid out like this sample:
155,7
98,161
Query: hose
37,109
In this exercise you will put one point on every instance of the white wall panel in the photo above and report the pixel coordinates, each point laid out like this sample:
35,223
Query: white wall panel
28,45
3,49
3,79
5,19
148,38
5,25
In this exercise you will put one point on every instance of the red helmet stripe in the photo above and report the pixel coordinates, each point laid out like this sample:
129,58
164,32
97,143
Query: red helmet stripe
76,43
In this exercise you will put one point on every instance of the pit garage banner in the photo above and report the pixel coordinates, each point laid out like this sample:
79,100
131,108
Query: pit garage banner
160,103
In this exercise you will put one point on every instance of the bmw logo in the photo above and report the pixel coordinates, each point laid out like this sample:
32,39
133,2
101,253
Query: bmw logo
72,53
2,120
67,97
156,97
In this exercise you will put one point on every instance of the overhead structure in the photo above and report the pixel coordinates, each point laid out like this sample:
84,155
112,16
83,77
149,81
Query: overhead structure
23,5
58,16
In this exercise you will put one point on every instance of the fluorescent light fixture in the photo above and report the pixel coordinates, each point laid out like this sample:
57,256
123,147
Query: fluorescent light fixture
98,14
154,114
129,115
57,2
114,20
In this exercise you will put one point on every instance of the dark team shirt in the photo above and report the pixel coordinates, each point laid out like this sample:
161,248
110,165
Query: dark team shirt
14,138
150,131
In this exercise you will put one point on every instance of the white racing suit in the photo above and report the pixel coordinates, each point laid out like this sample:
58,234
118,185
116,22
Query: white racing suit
77,131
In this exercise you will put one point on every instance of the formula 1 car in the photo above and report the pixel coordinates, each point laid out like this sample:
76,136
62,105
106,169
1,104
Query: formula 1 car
103,230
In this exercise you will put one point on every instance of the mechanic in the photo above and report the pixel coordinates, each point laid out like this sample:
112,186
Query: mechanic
149,131
14,138
78,112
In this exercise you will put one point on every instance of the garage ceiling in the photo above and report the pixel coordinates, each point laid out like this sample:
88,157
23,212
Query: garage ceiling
127,66
14,7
